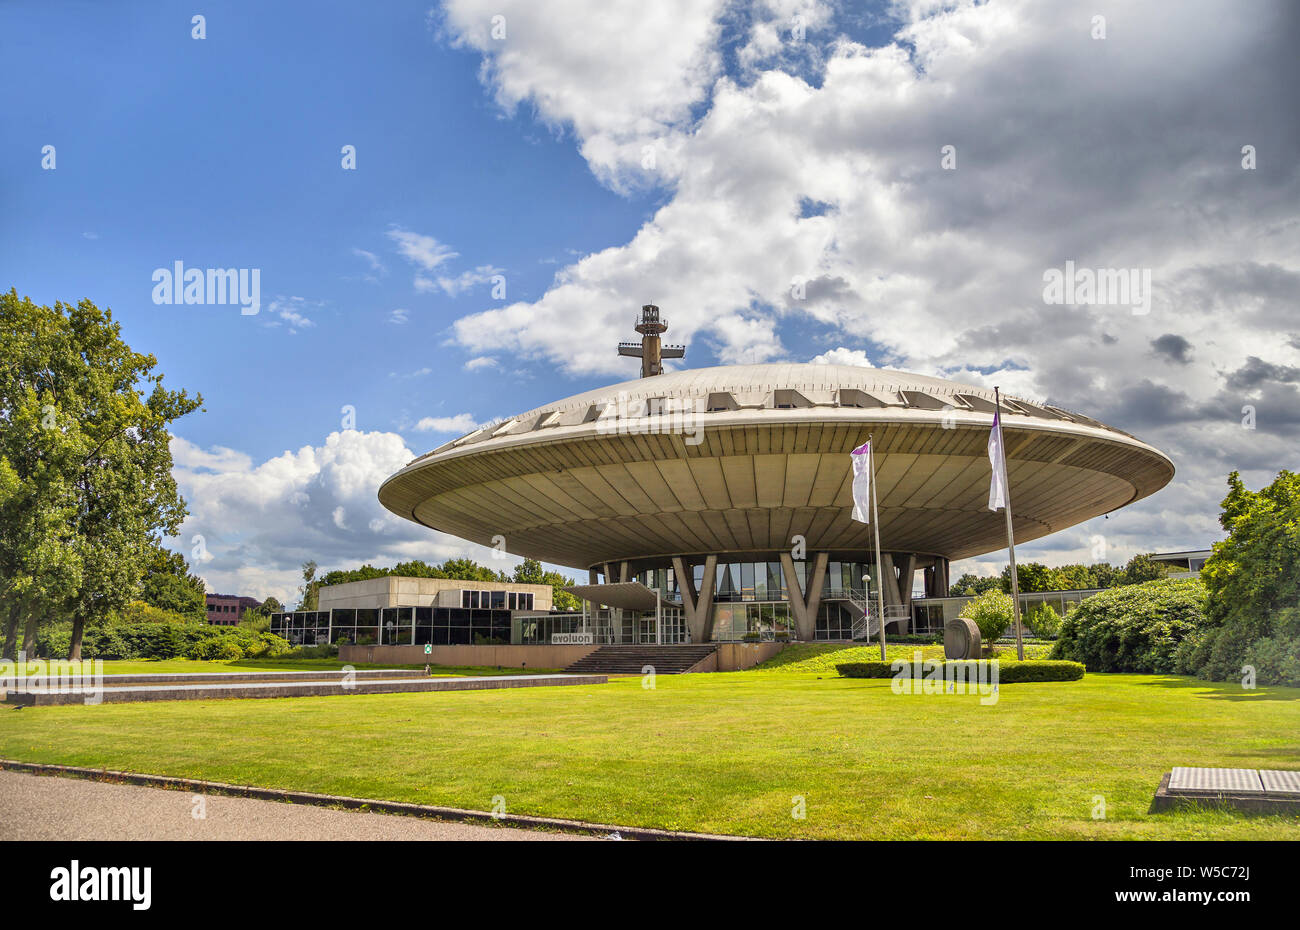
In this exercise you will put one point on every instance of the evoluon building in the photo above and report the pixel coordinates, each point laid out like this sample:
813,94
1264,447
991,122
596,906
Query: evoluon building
712,503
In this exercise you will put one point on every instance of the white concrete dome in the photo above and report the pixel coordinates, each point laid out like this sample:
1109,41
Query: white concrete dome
738,459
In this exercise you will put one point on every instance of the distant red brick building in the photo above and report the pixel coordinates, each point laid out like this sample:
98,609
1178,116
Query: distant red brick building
228,609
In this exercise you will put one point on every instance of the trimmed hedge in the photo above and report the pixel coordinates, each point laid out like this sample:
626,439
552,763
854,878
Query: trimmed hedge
1008,672
164,641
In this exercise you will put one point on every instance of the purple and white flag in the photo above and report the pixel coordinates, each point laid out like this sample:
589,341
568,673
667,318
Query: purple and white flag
861,457
998,459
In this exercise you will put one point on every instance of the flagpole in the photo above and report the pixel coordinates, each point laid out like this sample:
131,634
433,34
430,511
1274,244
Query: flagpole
880,578
1011,537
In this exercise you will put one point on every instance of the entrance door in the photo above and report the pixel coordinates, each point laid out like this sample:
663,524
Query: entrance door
646,630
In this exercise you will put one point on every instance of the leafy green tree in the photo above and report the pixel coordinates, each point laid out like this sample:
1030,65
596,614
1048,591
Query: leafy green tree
1142,568
969,585
168,585
1104,575
993,612
1253,580
417,569
307,591
469,570
530,571
1073,577
87,438
271,606
1033,576
39,568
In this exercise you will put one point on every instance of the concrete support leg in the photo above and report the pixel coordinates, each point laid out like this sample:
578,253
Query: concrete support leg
906,565
941,581
686,587
702,625
889,583
795,595
593,576
813,597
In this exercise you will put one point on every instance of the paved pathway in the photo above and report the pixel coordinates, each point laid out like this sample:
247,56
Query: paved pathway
43,807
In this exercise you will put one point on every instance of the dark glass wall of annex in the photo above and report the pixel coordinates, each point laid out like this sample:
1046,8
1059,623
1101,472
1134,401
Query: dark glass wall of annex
394,626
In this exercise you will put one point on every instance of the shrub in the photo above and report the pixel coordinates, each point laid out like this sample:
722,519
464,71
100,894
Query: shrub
162,641
1008,672
1135,628
1043,621
215,647
992,612
1276,660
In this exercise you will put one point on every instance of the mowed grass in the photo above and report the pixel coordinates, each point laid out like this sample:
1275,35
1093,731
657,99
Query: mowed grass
193,666
823,657
726,752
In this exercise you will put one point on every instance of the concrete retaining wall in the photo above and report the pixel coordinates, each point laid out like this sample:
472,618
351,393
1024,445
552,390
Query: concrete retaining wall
490,656
729,657
733,657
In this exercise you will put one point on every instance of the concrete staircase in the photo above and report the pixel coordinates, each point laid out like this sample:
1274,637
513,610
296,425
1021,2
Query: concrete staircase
631,660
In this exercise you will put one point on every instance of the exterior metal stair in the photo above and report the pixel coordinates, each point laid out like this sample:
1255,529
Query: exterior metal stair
866,623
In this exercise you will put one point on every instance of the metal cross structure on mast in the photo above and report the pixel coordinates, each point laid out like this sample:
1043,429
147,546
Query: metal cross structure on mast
649,349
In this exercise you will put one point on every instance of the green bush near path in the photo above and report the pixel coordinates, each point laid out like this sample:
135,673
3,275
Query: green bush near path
1008,671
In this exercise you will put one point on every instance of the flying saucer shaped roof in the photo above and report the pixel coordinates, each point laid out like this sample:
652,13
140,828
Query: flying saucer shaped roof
742,458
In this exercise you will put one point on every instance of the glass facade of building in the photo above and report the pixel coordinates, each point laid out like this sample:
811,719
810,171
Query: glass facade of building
751,598
607,627
394,626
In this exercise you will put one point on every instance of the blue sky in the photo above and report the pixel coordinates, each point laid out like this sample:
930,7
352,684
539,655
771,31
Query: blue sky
699,154
225,152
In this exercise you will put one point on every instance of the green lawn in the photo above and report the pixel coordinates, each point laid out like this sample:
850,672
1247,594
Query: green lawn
823,657
191,666
726,752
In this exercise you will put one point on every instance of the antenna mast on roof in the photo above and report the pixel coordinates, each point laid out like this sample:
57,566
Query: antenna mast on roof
649,349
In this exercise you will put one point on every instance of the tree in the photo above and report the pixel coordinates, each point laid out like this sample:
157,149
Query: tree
307,589
39,568
993,612
87,438
1032,576
1253,580
168,584
271,606
1074,577
1105,575
530,571
1142,568
969,585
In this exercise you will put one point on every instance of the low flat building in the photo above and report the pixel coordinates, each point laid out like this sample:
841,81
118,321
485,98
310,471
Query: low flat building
1190,561
402,611
228,609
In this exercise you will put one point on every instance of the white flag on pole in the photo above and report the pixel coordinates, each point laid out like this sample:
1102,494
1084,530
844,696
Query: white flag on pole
861,457
998,459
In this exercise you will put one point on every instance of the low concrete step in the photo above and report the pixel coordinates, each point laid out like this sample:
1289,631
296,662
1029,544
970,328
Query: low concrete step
189,678
264,689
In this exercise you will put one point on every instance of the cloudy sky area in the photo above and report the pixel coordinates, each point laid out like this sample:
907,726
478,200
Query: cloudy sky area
698,154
